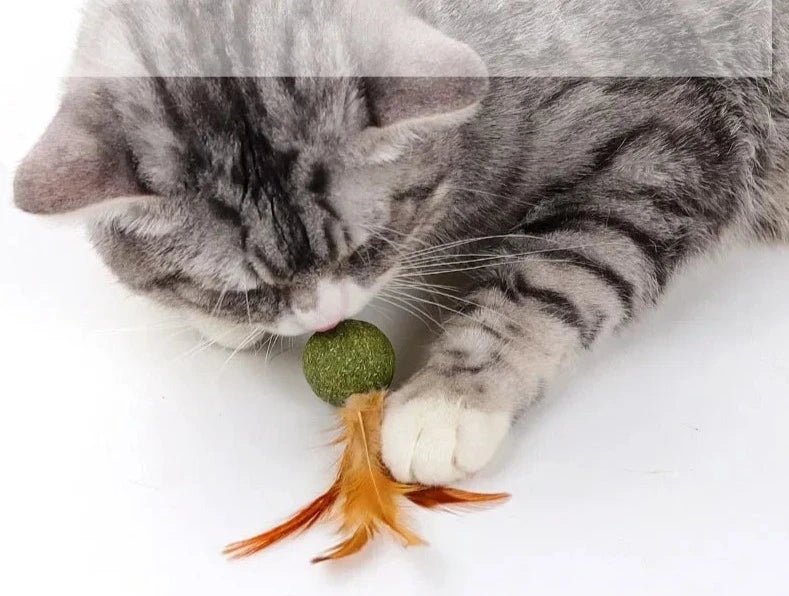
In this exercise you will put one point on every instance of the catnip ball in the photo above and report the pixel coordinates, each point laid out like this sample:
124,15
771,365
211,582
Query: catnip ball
354,357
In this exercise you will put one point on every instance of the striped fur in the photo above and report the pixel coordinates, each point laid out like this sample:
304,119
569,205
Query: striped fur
572,201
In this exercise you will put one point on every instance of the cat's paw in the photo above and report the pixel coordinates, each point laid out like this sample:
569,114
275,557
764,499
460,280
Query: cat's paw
435,439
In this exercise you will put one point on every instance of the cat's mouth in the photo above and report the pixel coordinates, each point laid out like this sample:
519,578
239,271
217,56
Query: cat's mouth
320,309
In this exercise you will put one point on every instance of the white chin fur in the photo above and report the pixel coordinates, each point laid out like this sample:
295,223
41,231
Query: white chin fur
335,301
228,335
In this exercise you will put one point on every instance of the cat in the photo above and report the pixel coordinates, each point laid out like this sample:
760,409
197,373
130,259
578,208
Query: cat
285,203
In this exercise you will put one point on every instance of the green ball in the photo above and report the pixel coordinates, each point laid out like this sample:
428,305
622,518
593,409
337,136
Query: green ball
354,357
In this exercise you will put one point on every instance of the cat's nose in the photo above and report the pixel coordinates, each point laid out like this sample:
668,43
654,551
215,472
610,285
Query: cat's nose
331,306
329,326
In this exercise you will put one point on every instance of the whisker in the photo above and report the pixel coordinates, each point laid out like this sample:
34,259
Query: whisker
380,311
221,299
406,309
259,346
424,284
470,303
587,245
459,261
406,236
185,329
456,311
282,348
399,249
466,241
415,285
489,194
253,335
202,345
420,274
406,299
454,260
249,310
439,257
434,290
503,259
270,347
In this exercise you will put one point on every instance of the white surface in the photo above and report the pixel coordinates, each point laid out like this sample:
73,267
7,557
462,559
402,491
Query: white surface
659,466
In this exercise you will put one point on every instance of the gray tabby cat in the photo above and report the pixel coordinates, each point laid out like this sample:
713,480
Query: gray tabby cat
285,204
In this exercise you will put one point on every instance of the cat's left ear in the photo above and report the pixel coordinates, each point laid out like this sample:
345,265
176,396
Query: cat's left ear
72,168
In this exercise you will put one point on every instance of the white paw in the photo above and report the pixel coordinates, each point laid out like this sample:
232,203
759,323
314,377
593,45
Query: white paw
436,440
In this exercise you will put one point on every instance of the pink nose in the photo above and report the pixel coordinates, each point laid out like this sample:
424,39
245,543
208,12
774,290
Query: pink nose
327,327
331,307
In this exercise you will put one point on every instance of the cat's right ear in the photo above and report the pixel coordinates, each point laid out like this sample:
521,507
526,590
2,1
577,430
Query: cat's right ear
417,72
418,81
71,169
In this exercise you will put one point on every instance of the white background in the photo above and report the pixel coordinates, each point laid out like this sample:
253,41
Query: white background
660,465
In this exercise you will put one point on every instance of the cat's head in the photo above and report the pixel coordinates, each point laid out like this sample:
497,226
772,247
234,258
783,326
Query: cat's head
257,203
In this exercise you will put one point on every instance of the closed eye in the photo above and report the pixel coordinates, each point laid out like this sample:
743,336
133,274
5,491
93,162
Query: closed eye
319,180
224,212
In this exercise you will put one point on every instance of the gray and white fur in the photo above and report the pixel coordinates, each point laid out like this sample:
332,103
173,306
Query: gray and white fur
284,204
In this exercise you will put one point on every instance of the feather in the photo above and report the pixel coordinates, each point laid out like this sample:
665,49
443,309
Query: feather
363,498
436,497
300,522
369,495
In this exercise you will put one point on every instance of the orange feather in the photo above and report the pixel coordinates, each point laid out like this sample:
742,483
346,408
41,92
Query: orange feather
301,521
364,497
435,497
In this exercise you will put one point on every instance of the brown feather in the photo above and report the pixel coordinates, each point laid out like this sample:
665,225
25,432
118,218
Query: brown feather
300,522
364,497
370,498
435,497
350,546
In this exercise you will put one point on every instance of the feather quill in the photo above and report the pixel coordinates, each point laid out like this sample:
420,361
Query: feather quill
363,498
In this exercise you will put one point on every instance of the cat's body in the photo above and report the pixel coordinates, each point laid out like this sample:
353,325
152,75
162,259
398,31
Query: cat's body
286,204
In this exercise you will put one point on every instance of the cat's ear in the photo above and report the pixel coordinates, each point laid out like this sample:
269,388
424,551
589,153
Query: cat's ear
423,74
72,169
442,100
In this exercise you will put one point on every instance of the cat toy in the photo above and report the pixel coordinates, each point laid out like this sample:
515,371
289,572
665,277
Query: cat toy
351,367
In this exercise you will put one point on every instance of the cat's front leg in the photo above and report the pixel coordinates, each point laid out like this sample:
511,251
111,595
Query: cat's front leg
492,361
554,298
